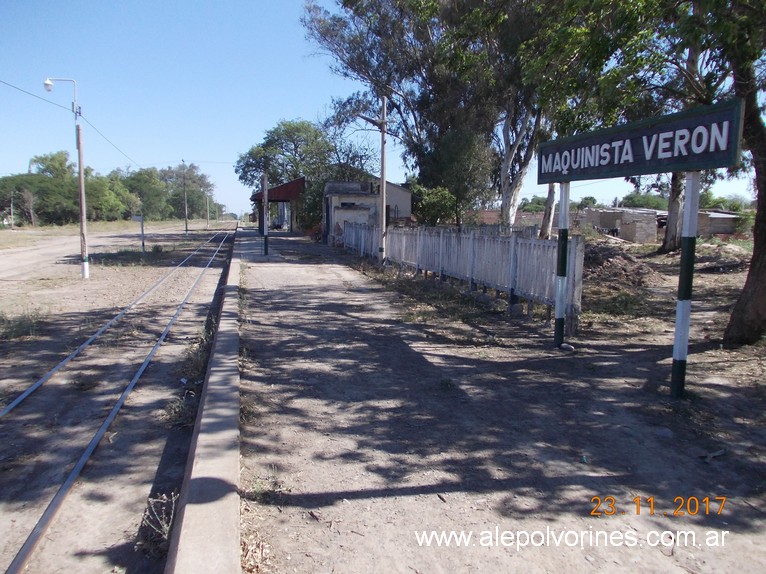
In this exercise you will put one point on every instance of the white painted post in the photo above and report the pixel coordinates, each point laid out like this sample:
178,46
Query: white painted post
561,268
685,281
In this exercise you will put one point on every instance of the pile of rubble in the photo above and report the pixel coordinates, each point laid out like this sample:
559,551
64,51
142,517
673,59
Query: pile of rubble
607,262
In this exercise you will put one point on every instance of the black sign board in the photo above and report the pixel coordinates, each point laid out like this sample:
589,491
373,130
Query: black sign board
701,138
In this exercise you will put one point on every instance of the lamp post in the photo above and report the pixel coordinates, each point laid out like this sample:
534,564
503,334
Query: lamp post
81,177
381,124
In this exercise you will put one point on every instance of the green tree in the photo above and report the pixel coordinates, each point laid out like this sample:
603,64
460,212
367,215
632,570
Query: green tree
450,70
599,61
131,203
644,200
461,162
101,201
587,202
189,190
290,150
25,189
432,206
151,191
535,204
298,148
55,165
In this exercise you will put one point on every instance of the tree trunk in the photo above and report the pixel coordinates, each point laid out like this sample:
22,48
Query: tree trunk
514,195
673,229
747,323
547,224
526,135
28,202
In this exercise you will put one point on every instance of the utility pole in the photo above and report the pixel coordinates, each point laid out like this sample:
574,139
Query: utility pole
380,123
186,204
265,185
48,84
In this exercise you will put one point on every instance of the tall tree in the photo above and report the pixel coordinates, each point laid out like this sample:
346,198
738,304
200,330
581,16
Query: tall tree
299,148
739,27
609,57
290,150
152,192
189,190
450,71
54,165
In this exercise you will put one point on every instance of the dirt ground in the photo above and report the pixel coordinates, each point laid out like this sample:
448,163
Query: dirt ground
379,413
46,311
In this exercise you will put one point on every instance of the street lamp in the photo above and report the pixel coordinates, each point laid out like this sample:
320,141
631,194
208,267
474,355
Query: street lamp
381,124
81,177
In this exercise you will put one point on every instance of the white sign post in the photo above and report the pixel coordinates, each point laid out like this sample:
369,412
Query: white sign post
141,219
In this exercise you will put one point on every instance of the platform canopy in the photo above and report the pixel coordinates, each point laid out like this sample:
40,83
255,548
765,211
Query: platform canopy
289,191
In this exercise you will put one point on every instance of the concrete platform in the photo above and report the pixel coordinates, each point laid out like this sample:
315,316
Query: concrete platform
205,537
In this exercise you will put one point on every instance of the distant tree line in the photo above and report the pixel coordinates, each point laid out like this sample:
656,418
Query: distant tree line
49,193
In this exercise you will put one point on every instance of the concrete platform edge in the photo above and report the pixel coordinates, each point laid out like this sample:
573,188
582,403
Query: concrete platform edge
205,536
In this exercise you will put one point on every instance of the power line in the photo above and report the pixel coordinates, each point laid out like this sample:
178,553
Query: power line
67,109
109,142
35,96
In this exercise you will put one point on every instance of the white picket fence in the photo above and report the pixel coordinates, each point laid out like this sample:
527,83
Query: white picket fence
524,267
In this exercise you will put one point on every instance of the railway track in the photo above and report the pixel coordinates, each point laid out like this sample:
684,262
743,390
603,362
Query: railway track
78,443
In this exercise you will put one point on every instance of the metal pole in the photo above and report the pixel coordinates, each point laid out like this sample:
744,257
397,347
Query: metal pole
561,267
685,281
382,248
265,185
12,189
83,218
81,174
186,205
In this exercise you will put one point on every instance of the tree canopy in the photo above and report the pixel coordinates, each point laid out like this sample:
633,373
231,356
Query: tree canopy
299,148
510,72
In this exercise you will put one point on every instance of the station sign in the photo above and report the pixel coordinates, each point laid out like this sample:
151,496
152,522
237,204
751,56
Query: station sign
705,137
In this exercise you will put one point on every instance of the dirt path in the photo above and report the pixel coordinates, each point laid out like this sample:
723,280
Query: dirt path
371,421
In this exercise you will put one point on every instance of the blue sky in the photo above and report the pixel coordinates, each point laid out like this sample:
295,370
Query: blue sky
165,81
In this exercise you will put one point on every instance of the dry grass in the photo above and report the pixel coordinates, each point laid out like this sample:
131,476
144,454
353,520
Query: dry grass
22,326
154,534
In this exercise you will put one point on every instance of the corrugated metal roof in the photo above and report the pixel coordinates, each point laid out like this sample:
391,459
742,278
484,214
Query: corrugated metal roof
289,191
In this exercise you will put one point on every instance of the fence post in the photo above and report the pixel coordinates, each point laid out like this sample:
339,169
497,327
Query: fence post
441,255
472,262
574,287
512,267
418,247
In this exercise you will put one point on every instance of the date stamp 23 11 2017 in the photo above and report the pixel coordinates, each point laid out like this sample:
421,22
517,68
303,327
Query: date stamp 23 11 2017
682,506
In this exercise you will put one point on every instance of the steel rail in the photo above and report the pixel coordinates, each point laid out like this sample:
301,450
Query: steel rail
22,557
32,388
